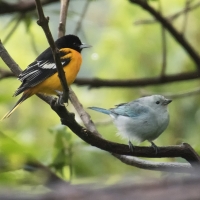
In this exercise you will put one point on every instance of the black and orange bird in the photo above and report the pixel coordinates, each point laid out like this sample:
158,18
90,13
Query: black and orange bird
41,76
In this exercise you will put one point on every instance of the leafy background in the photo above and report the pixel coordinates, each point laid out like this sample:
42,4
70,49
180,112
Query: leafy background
120,50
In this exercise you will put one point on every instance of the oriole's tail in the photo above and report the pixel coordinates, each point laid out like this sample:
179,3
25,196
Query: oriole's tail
25,96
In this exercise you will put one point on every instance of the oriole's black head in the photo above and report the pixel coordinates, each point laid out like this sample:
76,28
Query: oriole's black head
70,41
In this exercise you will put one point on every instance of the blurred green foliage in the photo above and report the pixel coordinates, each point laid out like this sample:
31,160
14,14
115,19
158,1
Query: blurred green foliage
120,50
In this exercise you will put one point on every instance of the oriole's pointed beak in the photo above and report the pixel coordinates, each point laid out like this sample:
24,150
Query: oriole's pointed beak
82,46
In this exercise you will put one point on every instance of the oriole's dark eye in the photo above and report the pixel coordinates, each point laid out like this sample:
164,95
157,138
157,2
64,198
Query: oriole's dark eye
157,102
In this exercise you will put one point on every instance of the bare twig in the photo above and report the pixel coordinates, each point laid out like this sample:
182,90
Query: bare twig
129,83
17,22
164,46
52,180
177,36
171,17
96,82
43,22
79,23
26,6
13,66
156,166
185,150
73,98
63,15
187,4
31,164
189,93
82,113
5,74
176,95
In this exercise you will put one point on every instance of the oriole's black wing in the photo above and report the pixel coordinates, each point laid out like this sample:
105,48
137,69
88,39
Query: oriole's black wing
42,68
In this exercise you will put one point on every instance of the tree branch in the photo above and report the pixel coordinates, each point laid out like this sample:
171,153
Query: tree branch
184,150
164,46
79,23
171,17
96,82
156,166
25,6
63,16
43,22
85,117
177,36
5,73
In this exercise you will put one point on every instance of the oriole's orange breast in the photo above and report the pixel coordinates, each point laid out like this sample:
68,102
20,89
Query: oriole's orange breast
51,84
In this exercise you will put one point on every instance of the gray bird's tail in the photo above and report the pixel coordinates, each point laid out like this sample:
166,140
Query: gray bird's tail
102,110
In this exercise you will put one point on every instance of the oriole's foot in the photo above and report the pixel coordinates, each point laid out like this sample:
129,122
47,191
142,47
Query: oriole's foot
61,98
154,147
131,147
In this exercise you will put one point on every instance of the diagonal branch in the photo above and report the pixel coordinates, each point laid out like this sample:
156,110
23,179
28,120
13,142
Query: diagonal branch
43,22
22,7
171,17
177,36
184,150
79,23
85,117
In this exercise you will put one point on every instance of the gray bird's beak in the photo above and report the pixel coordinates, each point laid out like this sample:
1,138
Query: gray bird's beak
82,46
167,101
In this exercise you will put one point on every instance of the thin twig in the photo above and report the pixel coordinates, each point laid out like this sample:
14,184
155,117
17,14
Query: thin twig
17,22
129,83
185,150
170,18
156,166
22,7
178,95
5,74
73,98
31,164
82,16
63,17
164,46
85,117
176,35
185,16
13,66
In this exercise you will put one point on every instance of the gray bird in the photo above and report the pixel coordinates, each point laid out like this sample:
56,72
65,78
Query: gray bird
142,119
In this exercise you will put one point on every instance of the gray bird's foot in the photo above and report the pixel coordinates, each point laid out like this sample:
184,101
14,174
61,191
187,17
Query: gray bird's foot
131,147
61,98
154,147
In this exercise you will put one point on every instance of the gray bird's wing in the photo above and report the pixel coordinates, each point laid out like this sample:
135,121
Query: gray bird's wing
132,109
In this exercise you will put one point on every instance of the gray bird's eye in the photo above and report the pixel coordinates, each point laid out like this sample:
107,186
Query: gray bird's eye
157,102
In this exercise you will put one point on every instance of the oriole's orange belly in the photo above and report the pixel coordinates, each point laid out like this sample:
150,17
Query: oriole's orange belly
51,84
